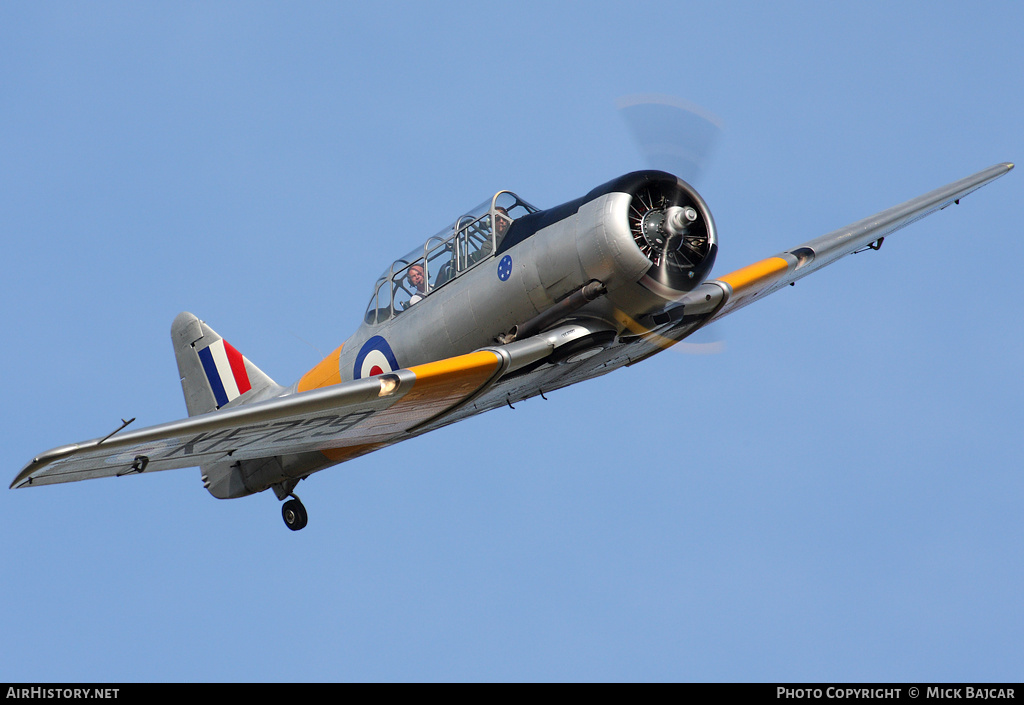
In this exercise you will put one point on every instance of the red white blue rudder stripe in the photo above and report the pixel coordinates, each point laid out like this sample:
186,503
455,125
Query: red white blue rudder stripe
225,371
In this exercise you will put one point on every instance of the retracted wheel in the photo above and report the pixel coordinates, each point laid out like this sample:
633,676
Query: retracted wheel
294,514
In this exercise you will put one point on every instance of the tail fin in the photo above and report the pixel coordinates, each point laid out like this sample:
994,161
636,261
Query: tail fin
214,374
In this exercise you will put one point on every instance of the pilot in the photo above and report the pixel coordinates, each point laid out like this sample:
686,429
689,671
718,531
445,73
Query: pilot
501,224
419,283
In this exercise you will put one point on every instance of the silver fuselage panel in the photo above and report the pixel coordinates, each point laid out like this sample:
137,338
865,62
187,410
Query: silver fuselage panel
509,284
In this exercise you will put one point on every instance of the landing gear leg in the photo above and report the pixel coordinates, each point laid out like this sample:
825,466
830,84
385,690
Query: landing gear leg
294,513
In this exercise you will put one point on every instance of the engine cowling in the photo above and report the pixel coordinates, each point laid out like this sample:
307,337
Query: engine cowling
673,228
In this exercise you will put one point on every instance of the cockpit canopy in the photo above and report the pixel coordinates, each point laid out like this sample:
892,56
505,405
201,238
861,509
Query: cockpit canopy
458,248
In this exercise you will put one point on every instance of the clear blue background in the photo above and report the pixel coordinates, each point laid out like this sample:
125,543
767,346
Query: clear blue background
836,496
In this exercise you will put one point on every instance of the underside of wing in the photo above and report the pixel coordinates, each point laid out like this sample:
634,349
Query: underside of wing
337,422
310,430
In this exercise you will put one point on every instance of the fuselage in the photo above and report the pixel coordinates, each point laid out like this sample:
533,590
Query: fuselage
617,235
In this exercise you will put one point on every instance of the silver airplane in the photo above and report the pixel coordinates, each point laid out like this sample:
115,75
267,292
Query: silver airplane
506,303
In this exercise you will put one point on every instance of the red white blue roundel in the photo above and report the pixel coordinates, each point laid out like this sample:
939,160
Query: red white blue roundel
374,358
505,268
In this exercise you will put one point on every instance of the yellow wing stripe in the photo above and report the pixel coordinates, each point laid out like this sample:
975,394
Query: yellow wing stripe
452,379
437,388
755,275
326,373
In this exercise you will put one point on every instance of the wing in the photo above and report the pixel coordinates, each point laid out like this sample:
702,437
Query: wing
717,298
341,422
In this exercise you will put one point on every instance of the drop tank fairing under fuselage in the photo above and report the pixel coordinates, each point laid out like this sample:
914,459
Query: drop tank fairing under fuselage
505,263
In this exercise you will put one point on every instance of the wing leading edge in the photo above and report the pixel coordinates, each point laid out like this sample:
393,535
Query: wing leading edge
717,298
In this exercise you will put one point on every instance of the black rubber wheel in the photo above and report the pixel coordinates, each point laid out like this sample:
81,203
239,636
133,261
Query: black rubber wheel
294,514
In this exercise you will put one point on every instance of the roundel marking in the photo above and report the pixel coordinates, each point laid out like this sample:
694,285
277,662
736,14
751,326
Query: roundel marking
374,358
505,268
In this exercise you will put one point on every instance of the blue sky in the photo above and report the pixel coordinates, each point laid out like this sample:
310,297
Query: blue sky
836,496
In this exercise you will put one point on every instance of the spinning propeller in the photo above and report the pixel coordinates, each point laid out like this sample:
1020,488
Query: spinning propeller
678,137
671,134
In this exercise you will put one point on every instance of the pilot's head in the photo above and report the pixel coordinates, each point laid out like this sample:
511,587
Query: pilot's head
416,276
501,221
